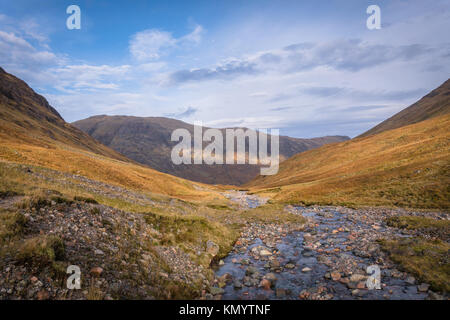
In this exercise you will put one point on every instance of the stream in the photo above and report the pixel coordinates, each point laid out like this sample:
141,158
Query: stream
326,260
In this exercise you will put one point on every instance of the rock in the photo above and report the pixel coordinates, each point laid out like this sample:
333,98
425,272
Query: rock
237,285
212,248
280,292
290,266
335,276
423,287
265,253
96,271
274,264
221,263
226,277
304,294
251,270
434,296
33,279
43,295
410,280
271,277
99,252
215,291
357,277
265,284
306,269
361,285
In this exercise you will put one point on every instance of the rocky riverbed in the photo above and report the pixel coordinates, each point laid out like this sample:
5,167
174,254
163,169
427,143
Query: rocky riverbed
325,259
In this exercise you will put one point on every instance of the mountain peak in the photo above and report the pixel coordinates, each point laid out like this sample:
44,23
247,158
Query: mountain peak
436,103
17,92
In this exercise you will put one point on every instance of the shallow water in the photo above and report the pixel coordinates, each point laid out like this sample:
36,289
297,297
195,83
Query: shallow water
291,249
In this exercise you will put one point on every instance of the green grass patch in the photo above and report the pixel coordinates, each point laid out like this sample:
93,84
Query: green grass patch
427,260
432,227
12,226
85,199
191,232
218,207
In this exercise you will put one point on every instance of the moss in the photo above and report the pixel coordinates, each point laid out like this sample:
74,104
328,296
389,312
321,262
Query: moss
429,226
61,200
85,199
94,211
428,260
39,251
12,226
218,207
192,232
415,223
9,193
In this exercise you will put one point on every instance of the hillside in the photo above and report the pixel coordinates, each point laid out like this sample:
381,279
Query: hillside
26,117
147,141
434,104
407,166
32,132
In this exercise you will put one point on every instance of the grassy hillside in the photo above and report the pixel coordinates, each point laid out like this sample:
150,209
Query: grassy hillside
434,104
147,141
408,166
32,132
27,117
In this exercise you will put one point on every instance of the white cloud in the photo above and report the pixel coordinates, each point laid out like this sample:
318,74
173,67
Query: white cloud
88,77
151,44
17,55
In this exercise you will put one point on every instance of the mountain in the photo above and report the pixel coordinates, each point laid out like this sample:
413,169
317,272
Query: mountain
26,116
407,166
32,132
434,104
147,141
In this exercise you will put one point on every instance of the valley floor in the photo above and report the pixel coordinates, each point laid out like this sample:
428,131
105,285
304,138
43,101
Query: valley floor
136,245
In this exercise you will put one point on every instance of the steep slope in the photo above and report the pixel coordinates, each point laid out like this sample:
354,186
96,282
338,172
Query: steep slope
407,166
434,104
32,132
147,141
26,116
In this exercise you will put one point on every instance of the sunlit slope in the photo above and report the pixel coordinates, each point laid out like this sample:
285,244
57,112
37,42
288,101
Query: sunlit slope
32,132
408,166
27,117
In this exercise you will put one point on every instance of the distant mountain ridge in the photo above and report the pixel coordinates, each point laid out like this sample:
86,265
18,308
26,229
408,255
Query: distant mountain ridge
436,103
147,141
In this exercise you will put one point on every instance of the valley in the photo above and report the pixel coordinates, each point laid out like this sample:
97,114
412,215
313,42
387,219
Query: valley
308,232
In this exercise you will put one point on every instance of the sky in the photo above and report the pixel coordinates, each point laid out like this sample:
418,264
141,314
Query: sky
308,68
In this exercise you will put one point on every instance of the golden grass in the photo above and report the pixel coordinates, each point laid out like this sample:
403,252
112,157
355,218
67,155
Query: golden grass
408,167
100,168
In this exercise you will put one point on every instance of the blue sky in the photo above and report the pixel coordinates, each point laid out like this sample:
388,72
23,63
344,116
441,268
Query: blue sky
309,68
